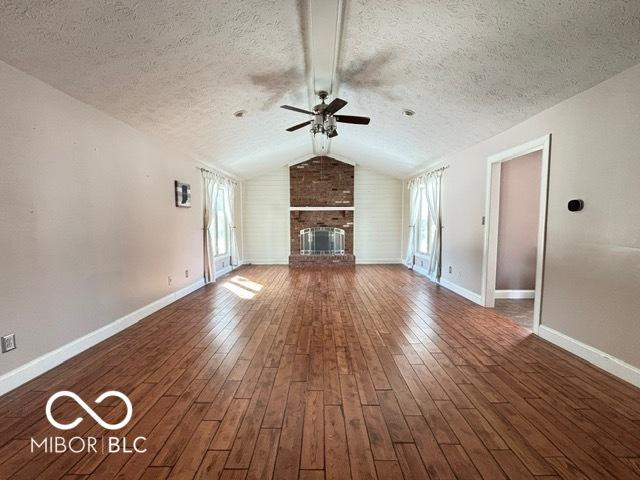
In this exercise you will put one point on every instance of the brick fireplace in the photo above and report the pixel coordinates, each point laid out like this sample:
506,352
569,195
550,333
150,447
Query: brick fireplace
321,195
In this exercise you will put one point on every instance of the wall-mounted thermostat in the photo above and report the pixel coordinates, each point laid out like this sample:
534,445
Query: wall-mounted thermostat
575,205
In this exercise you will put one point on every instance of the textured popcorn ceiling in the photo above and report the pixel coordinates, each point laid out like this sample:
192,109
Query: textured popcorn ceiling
471,69
176,69
179,69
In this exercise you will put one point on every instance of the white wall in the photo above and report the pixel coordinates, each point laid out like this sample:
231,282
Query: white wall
377,217
265,205
88,227
592,266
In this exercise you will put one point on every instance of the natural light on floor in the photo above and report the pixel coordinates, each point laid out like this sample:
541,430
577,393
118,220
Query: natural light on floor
242,287
245,282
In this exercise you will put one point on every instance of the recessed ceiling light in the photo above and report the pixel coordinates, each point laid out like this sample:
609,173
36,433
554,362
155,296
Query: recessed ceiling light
240,113
408,113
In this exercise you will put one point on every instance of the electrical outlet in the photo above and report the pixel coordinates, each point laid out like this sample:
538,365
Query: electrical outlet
483,220
450,269
186,273
169,280
8,342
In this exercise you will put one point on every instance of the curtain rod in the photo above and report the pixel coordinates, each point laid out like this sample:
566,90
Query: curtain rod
428,172
220,174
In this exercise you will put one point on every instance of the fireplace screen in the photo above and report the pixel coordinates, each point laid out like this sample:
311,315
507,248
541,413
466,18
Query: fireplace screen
322,241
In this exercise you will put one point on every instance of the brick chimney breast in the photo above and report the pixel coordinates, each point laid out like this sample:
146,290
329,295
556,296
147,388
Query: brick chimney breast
321,182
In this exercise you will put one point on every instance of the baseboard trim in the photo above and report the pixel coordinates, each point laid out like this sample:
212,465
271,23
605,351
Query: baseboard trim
420,270
46,362
378,261
224,271
515,294
463,292
267,261
374,261
606,362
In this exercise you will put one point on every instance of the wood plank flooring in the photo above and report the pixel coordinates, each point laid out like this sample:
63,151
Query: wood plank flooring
361,373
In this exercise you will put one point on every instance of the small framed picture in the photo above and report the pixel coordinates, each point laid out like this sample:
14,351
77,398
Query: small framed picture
183,194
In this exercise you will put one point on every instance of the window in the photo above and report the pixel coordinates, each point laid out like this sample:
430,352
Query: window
222,228
425,226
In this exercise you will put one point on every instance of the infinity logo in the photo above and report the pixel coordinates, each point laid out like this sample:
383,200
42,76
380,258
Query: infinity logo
89,410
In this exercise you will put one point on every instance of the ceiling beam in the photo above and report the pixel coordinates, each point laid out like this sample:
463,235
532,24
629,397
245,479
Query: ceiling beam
324,27
325,22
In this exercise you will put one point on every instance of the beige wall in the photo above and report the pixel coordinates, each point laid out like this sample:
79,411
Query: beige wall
88,227
518,222
592,265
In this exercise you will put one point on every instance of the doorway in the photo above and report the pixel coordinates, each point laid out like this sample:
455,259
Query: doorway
514,254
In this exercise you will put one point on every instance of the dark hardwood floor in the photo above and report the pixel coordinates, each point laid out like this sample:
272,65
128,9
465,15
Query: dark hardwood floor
332,373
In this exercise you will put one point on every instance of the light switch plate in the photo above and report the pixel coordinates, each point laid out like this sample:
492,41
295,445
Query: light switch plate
8,343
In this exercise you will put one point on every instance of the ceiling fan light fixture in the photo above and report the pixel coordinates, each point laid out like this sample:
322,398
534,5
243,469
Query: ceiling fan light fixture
323,117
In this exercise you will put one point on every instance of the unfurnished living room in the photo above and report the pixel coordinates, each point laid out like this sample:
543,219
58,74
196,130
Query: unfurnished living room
319,239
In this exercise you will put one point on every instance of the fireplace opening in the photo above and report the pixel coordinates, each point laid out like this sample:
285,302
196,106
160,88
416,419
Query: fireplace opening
322,241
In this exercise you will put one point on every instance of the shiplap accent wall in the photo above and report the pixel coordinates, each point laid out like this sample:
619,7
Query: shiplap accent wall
265,205
378,217
377,220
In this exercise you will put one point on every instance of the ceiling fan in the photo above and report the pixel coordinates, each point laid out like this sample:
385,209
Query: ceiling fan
324,117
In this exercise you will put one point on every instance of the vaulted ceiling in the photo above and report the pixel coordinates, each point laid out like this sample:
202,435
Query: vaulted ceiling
180,69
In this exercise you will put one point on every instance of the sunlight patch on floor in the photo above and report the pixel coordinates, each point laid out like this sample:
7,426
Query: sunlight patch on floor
238,290
246,283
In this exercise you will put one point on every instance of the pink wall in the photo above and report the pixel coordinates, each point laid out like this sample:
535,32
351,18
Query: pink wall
518,222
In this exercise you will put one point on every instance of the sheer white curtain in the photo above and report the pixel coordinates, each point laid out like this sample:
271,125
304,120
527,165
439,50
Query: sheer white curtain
434,249
212,183
229,193
414,214
425,191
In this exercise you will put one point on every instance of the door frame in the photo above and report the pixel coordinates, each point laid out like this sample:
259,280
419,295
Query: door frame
492,208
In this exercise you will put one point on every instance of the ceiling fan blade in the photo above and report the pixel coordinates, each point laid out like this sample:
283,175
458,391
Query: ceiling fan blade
296,109
335,105
300,125
352,119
